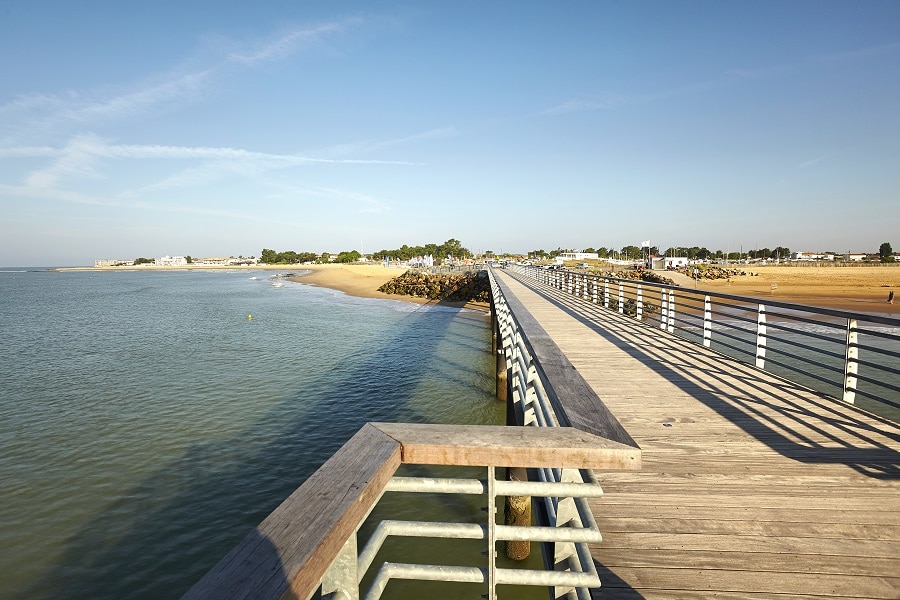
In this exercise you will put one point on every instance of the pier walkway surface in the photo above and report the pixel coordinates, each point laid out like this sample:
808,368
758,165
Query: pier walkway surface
751,486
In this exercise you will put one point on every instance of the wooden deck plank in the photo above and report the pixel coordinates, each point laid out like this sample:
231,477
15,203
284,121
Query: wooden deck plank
750,487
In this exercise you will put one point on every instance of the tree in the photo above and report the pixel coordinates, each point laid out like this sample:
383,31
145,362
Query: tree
189,259
631,252
886,252
268,256
347,257
145,261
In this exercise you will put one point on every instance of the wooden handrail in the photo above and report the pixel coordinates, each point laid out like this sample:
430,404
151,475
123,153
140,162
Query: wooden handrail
287,554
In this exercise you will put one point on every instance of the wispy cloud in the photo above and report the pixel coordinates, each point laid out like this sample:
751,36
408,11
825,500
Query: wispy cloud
86,157
860,53
809,163
364,203
365,146
47,112
31,113
288,43
582,104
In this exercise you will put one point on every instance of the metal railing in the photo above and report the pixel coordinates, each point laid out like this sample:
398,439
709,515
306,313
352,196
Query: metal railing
568,434
308,545
843,354
532,399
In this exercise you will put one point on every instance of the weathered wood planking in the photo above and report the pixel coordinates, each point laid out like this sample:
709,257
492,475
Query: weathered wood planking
750,487
498,446
288,553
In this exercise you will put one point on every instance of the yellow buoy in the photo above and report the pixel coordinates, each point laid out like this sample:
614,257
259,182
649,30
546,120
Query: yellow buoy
249,317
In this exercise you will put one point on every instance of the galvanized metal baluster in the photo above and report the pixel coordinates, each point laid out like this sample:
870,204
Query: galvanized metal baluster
530,405
340,580
492,534
640,304
621,299
671,314
606,293
761,337
566,511
663,309
707,322
851,362
596,285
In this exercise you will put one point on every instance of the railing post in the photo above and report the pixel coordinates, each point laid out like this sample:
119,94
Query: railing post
707,321
606,293
341,579
640,304
663,309
621,299
566,511
530,401
596,286
671,319
761,337
492,534
570,283
851,364
585,290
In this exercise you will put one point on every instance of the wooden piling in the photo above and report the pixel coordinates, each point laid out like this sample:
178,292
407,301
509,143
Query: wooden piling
518,513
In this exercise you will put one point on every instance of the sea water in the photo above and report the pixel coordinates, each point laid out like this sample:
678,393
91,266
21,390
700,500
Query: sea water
149,420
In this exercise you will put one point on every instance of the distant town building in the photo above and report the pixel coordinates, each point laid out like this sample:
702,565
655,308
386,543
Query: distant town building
578,255
855,257
109,262
171,261
811,256
215,260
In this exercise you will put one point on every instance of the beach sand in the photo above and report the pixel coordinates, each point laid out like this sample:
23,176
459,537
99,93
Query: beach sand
363,280
859,288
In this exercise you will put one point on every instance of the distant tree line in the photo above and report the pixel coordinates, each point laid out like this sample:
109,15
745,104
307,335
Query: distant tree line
692,253
451,247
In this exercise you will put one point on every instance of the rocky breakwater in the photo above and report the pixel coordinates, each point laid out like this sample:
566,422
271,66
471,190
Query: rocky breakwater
639,275
467,287
714,272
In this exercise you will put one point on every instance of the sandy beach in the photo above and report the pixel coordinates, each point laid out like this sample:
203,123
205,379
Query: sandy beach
863,288
363,280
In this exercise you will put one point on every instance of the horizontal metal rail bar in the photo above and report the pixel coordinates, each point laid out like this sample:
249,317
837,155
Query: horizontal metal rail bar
436,485
805,347
880,334
879,383
871,396
881,367
806,373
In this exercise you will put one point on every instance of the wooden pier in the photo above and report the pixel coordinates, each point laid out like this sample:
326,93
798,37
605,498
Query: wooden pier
751,486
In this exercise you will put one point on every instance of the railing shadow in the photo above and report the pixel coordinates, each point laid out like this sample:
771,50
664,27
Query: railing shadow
134,556
764,405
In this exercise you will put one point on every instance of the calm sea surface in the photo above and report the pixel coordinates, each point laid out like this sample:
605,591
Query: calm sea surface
146,424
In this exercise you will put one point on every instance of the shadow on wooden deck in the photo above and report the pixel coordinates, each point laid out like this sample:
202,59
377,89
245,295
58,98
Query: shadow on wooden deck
761,403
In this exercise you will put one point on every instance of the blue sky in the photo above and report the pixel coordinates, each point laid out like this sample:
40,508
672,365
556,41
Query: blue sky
142,129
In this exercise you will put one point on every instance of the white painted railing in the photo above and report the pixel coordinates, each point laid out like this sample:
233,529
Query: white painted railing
844,354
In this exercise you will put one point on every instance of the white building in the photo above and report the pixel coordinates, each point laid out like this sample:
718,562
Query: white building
109,262
855,257
171,261
578,255
811,256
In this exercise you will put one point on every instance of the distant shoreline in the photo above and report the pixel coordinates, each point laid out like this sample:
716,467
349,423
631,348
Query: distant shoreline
360,280
859,288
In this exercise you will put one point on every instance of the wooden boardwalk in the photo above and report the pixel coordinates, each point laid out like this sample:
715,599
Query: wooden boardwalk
751,487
